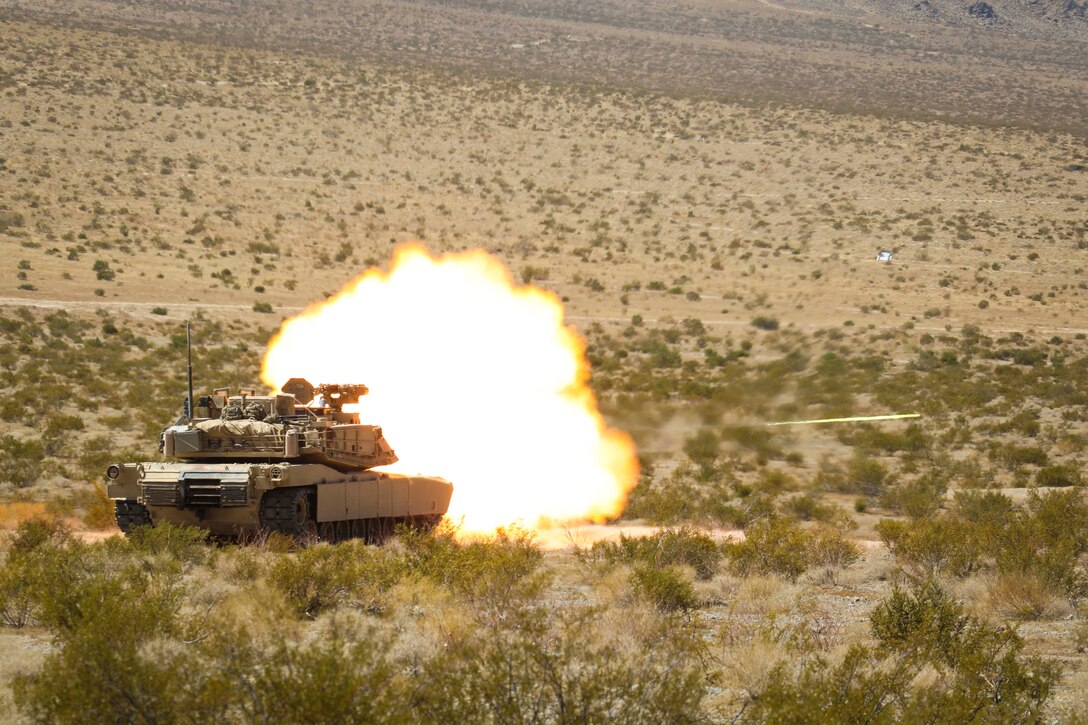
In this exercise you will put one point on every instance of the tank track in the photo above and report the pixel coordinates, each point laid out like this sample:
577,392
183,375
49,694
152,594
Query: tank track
292,511
131,515
289,510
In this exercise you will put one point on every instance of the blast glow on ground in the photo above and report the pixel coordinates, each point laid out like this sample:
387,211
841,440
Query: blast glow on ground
471,378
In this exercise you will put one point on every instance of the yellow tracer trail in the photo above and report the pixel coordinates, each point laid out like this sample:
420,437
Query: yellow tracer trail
855,419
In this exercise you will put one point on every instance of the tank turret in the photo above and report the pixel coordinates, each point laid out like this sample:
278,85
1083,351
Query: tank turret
294,461
306,425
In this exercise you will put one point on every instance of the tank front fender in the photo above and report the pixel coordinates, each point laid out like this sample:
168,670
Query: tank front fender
123,481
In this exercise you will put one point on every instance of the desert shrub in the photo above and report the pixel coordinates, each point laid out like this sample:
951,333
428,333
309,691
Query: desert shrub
765,323
541,666
344,675
1013,456
489,569
982,674
983,508
666,588
664,502
865,475
98,510
102,270
36,532
20,461
22,576
925,619
776,545
984,661
807,507
869,438
917,498
759,440
1058,475
773,482
829,548
1060,516
751,509
184,544
1045,539
702,449
324,577
931,545
685,546
19,585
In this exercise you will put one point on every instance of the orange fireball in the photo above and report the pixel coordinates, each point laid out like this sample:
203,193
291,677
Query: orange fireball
472,378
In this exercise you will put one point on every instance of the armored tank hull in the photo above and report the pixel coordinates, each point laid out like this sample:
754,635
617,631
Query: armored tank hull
242,499
247,463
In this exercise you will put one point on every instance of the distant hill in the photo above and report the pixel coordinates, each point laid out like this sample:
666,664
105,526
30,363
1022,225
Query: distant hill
1032,17
994,62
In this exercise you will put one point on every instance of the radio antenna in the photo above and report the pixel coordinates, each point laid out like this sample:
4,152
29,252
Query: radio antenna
189,350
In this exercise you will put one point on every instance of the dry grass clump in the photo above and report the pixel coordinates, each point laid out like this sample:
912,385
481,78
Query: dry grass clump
757,595
1025,596
14,513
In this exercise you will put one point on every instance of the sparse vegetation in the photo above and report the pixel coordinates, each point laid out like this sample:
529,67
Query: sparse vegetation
717,258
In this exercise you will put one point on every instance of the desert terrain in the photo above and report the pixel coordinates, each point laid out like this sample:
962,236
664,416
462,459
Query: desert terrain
706,187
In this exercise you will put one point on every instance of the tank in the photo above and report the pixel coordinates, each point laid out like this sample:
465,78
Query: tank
294,462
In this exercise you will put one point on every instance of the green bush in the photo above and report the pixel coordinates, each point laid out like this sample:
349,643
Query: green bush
102,270
776,545
486,569
982,674
325,576
931,545
345,676
702,449
807,507
21,462
183,544
1045,539
1013,456
866,475
1057,476
34,533
135,654
25,573
684,546
665,587
983,508
828,548
920,497
557,667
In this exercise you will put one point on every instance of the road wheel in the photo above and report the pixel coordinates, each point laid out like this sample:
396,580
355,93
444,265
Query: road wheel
131,515
288,510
